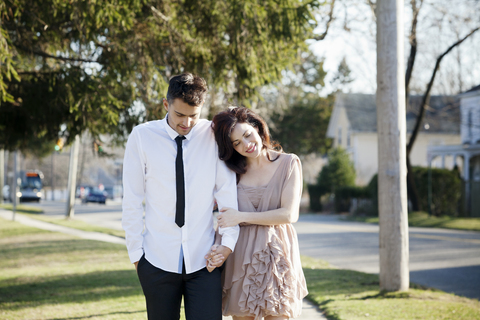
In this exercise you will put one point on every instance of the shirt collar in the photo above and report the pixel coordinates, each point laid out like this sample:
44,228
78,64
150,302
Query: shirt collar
172,133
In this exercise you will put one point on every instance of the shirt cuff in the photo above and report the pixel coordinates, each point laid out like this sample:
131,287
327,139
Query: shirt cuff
135,255
228,241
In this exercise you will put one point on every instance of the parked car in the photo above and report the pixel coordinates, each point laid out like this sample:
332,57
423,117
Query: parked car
109,191
95,195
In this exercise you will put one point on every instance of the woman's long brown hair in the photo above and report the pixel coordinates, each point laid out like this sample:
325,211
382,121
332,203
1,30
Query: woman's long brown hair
223,124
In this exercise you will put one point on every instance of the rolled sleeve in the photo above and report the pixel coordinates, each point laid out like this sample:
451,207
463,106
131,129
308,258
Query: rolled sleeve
134,194
229,236
226,197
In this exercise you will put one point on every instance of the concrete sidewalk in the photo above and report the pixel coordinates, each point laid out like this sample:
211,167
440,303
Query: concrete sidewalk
7,215
309,311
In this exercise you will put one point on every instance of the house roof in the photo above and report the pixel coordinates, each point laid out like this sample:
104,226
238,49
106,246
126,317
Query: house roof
476,88
473,92
442,114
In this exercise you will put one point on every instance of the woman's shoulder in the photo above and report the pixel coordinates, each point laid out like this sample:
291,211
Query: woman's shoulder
287,157
286,160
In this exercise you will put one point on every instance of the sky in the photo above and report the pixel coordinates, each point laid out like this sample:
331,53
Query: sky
441,23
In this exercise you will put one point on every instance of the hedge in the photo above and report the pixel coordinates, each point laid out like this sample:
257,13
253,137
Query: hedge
344,196
446,193
446,190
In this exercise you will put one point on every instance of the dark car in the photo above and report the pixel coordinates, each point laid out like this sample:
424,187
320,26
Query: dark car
95,196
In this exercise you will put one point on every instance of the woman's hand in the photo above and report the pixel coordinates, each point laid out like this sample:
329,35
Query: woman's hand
217,256
228,217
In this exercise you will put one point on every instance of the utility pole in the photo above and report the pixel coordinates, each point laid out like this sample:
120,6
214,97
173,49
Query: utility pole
72,177
2,172
14,190
392,169
52,182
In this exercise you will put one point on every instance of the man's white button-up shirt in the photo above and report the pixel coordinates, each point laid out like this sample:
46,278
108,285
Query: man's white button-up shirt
149,175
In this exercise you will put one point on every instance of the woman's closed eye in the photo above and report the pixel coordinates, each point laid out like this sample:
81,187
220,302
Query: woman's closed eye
237,143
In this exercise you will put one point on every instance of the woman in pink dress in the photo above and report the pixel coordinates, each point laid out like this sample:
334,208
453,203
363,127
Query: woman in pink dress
263,277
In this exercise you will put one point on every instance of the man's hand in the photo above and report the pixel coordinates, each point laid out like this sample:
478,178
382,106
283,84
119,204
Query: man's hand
136,265
217,256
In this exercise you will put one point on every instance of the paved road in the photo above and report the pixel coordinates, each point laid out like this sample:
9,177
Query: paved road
445,259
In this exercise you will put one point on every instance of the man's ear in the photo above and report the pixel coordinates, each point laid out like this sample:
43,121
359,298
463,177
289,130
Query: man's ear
165,104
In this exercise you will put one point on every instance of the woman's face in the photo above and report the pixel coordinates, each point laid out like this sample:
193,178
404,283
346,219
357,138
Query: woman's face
246,140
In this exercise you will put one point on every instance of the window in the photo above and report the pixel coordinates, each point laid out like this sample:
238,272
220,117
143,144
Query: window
339,136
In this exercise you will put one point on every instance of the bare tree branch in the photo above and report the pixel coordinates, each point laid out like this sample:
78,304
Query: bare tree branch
413,45
411,185
46,55
373,7
329,22
426,96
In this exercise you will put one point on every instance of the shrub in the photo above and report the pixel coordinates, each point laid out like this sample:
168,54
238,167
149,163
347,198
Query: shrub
345,194
338,172
315,192
446,190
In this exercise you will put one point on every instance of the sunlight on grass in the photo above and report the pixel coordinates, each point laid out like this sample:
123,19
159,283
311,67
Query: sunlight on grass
21,208
48,275
77,224
421,219
349,295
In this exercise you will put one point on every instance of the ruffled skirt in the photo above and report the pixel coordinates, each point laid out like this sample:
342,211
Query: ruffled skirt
264,276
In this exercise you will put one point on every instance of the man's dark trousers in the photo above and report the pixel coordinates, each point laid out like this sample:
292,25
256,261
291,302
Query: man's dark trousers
163,292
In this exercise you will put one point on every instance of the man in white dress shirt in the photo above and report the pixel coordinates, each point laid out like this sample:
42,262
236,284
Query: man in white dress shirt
168,247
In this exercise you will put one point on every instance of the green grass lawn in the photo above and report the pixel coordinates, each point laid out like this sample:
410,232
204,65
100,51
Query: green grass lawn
77,224
21,208
351,295
34,213
46,275
421,219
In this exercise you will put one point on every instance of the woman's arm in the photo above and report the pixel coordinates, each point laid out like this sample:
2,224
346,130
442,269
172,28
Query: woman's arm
288,213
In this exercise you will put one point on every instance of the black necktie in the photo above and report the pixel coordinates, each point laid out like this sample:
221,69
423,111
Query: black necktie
180,177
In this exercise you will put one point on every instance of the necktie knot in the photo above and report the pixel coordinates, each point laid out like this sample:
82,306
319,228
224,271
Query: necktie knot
179,139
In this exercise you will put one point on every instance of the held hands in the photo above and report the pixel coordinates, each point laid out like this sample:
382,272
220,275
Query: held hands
228,217
217,256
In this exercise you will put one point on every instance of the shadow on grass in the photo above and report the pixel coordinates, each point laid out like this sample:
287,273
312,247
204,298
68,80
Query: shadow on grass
33,249
76,288
98,315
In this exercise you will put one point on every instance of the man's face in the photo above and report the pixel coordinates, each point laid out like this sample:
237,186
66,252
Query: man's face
182,117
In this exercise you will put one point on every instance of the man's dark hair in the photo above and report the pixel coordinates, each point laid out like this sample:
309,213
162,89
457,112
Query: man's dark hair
190,88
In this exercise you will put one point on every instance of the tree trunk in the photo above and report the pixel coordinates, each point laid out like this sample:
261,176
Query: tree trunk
411,186
391,123
72,177
2,173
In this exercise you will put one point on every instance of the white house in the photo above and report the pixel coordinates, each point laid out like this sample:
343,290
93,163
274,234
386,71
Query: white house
353,126
467,151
